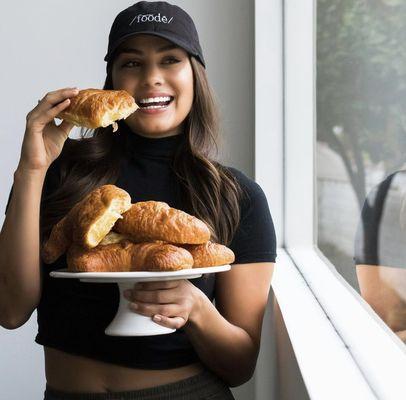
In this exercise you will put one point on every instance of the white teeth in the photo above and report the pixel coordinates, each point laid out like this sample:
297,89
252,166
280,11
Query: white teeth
152,107
155,100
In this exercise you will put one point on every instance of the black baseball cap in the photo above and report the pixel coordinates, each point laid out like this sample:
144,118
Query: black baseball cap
157,18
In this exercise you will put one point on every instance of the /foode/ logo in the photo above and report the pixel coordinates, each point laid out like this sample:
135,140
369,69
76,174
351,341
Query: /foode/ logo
151,18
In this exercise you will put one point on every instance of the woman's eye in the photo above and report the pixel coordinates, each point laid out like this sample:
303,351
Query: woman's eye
131,64
171,60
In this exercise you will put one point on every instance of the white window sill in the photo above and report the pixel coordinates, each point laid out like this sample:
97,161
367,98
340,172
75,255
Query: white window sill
343,350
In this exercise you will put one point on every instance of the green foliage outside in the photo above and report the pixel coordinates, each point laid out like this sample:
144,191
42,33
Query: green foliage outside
361,83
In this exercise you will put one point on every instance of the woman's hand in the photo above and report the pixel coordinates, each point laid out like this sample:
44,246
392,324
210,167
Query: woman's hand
43,139
170,303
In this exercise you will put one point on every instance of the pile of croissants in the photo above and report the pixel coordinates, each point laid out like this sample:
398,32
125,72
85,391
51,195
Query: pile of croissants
105,232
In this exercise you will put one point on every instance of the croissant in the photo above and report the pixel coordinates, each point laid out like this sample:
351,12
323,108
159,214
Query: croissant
93,108
127,256
113,237
98,213
155,220
88,222
209,254
59,240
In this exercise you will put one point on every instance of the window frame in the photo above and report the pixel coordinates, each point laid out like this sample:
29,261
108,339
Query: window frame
360,354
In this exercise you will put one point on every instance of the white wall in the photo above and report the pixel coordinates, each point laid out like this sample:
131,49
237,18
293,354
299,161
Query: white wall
48,45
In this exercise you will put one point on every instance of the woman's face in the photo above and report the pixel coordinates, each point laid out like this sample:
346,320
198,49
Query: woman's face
159,76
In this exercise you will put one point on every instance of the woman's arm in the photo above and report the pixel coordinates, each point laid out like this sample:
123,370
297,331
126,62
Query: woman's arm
20,278
384,289
19,250
227,337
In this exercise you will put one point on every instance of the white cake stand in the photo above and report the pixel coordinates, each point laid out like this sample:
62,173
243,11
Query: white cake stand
127,322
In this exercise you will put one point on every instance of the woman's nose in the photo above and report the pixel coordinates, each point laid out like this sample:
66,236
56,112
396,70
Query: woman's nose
152,76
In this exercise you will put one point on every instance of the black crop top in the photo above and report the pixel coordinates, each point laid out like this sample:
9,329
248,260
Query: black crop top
73,315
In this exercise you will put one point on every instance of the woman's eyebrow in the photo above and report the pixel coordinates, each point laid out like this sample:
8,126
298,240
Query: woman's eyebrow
160,50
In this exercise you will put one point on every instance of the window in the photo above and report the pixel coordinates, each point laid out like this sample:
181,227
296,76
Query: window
315,284
361,148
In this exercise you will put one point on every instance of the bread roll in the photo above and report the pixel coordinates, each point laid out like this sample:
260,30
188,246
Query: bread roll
88,222
93,108
155,220
127,256
209,254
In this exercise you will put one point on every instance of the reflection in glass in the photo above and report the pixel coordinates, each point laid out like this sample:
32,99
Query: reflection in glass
361,148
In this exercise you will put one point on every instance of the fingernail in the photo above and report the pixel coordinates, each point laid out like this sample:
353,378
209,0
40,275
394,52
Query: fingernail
157,318
134,306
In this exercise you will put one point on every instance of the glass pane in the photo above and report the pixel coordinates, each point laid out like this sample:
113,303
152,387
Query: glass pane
361,148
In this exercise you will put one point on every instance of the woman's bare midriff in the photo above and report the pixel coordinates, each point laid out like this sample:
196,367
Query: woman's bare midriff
71,373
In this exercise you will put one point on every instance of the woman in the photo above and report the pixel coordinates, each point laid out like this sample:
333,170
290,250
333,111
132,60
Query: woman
161,152
380,251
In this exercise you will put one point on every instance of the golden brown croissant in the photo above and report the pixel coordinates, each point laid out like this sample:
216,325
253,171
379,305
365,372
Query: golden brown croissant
88,222
98,213
127,256
113,237
155,220
59,240
209,254
93,108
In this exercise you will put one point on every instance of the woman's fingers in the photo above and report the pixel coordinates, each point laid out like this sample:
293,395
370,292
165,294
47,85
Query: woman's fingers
66,127
157,285
169,322
150,309
151,296
52,99
169,315
54,111
51,105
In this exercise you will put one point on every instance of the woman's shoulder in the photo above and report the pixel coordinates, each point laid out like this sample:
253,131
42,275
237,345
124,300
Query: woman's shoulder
391,185
248,185
254,241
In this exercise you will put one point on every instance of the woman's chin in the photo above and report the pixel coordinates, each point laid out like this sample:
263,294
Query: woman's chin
156,132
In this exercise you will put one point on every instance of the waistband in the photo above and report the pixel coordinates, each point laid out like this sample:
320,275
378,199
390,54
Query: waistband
198,386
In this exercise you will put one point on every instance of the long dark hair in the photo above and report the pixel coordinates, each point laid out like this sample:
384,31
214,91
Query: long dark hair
210,192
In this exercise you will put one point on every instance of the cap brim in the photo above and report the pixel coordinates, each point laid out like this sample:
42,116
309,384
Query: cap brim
169,37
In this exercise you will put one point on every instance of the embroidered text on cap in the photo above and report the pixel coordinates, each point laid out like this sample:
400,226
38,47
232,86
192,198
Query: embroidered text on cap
151,18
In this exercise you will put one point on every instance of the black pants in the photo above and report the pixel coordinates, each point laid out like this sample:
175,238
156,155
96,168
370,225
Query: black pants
204,386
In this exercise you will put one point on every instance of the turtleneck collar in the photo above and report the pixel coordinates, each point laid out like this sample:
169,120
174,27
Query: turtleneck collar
151,147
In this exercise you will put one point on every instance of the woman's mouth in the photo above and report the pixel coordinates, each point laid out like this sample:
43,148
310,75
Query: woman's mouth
155,104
